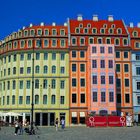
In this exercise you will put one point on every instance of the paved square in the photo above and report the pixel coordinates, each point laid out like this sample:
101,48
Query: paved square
75,133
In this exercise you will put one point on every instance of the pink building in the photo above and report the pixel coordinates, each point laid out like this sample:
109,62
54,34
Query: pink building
102,77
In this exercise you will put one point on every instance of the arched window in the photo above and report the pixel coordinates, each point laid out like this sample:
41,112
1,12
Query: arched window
45,84
29,43
111,31
53,69
117,42
53,83
44,99
36,99
82,41
119,31
14,70
91,40
37,84
100,41
14,84
137,45
22,44
53,99
37,69
77,30
94,30
135,34
45,69
13,99
125,42
74,41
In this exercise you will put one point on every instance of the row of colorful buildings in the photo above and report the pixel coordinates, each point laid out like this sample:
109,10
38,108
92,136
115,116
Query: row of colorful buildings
81,67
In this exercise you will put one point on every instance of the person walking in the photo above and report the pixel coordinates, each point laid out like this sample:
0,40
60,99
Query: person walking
62,123
21,127
56,124
16,126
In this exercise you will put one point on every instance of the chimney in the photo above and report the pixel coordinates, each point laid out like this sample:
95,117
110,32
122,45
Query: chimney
138,25
131,25
31,25
95,18
110,18
42,24
79,17
53,24
65,24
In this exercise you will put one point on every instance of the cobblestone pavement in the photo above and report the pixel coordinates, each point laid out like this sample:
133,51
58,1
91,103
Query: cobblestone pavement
75,133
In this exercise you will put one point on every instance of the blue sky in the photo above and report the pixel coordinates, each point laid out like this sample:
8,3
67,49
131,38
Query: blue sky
14,14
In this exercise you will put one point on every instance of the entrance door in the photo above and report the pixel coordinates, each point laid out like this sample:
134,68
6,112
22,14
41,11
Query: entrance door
45,119
37,118
52,119
62,116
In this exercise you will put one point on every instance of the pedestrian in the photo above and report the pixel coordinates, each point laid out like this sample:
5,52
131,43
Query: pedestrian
16,126
62,123
56,124
21,127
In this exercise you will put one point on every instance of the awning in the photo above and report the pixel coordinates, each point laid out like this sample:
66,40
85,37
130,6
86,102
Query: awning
82,114
74,114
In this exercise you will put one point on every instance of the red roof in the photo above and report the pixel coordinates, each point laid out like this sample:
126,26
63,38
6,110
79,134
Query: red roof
131,30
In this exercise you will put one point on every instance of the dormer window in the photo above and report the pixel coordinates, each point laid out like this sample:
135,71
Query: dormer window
94,30
46,32
135,34
119,31
39,32
85,30
105,26
62,32
77,30
113,26
54,32
111,31
89,25
25,33
102,31
81,25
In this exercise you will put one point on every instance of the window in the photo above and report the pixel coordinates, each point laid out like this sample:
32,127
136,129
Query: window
36,84
62,99
74,98
45,83
102,31
74,82
137,70
110,50
3,100
102,63
53,69
82,54
94,30
53,99
14,84
36,99
125,42
62,42
20,100
102,79
21,70
46,43
22,44
126,68
29,56
82,98
110,63
32,32
94,79
117,54
117,67
38,43
13,99
29,43
15,44
94,96
82,67
8,71
28,70
82,41
91,40
44,99
37,69
137,56
94,63
45,56
27,100
8,100
102,50
37,56
14,57
93,49
119,31
25,33
111,31
82,82
125,54
77,30
81,25
111,96
62,84
21,57
103,97
118,83
28,84
73,67
46,32
62,56
9,58
73,54
111,81
62,70
20,84
138,85
135,34
45,69
62,32
8,85
138,100
53,56
85,30
53,84
126,82
74,41
108,41
118,98
39,32
117,42
99,40
54,42
137,45
127,98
